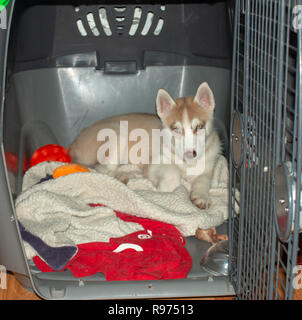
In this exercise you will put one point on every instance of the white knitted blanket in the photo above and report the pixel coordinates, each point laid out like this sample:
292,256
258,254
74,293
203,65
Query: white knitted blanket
58,210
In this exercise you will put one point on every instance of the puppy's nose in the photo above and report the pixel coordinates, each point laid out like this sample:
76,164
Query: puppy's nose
190,154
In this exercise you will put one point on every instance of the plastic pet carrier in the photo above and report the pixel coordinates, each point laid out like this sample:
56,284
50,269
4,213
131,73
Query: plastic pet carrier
66,64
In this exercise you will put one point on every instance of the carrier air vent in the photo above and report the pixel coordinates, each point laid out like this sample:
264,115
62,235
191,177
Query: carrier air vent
92,25
120,9
136,21
148,23
159,27
104,21
81,28
120,20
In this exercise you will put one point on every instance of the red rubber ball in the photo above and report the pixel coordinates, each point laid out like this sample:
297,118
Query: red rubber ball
50,152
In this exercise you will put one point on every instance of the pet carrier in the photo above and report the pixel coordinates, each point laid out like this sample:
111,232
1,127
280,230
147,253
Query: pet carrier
65,64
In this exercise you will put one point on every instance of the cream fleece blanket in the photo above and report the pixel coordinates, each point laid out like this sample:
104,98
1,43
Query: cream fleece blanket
58,210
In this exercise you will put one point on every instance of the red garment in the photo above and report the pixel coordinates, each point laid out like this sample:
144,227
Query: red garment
157,252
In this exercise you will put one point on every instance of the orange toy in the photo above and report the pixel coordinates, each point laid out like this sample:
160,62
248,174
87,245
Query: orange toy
68,169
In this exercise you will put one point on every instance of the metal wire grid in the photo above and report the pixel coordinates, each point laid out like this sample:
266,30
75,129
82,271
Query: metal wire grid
267,95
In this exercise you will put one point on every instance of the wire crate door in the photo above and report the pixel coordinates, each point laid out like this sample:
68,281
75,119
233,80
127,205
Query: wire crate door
266,149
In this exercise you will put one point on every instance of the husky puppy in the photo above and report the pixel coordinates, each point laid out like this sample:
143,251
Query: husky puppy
190,121
187,122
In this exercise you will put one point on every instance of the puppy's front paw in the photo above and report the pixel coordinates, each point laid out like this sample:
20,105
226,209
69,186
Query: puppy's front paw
208,235
200,200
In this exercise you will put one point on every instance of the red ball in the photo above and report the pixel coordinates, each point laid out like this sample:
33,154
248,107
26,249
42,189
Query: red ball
12,162
50,152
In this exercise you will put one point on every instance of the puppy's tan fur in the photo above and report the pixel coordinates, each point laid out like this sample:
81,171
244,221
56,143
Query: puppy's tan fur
189,112
84,149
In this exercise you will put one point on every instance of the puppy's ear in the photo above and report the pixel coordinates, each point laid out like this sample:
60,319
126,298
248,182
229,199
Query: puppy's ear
205,97
164,103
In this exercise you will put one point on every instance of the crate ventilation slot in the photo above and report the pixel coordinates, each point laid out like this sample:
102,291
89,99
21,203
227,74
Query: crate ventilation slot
101,21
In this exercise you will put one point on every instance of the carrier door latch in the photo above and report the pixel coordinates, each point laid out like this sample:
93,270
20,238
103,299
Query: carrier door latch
237,138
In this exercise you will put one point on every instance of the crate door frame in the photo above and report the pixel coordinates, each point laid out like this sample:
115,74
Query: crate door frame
265,140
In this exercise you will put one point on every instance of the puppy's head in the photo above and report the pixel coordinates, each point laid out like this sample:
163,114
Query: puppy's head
188,120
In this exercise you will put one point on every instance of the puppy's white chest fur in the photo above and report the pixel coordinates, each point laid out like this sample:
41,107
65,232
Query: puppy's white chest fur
196,143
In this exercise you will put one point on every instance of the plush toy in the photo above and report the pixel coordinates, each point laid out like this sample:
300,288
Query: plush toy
50,152
64,170
68,169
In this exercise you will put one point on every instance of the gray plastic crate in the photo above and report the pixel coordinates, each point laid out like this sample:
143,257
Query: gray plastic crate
61,79
57,55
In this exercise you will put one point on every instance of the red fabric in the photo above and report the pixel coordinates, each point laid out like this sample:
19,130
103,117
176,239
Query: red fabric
161,254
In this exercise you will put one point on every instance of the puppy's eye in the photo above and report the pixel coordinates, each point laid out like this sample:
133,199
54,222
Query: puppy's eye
177,131
199,127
